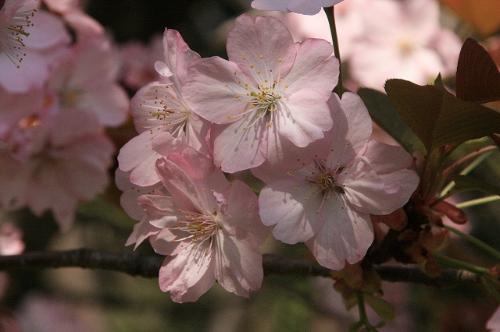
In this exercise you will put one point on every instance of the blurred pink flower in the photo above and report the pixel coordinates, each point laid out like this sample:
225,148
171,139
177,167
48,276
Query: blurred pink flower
11,238
398,40
72,13
52,160
272,92
138,62
304,26
349,23
306,7
29,41
86,81
163,114
49,314
328,203
493,324
210,229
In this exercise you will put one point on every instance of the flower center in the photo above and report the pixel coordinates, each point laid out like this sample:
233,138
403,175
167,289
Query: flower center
69,97
325,179
405,46
197,226
265,100
175,120
12,36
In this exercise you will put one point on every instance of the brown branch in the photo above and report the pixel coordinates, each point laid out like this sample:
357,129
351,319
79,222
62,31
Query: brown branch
148,266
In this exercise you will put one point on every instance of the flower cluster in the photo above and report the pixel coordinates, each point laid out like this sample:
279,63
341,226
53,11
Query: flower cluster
57,94
269,109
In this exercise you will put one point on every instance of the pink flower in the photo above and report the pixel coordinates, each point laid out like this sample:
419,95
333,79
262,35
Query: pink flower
210,229
52,160
327,203
272,92
29,41
162,113
401,40
86,81
306,7
138,62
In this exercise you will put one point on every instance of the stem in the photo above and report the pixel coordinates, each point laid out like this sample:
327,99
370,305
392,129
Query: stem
363,317
361,307
330,13
478,201
458,264
473,155
482,156
475,241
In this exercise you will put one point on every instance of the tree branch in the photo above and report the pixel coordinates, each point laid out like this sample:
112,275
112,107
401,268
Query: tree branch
148,266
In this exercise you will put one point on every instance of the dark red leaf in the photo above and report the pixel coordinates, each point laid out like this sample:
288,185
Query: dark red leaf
478,79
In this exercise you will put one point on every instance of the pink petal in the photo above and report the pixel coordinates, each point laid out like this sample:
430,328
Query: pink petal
142,231
262,47
160,210
315,69
352,128
138,156
48,31
178,56
384,158
32,73
107,101
217,90
243,214
238,267
293,207
345,236
188,275
380,194
240,146
306,119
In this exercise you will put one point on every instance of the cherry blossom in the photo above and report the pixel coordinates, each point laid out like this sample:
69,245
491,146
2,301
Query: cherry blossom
397,39
29,41
210,229
52,159
271,92
306,7
86,81
327,203
162,113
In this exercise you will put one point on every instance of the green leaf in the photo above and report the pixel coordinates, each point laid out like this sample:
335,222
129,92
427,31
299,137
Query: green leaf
439,118
469,183
383,308
385,115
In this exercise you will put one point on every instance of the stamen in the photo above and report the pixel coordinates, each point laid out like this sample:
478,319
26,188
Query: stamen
197,226
12,35
325,179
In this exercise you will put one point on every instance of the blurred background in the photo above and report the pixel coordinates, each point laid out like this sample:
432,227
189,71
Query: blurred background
80,300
